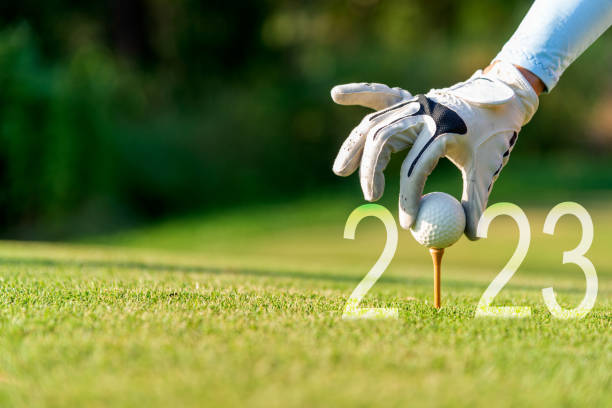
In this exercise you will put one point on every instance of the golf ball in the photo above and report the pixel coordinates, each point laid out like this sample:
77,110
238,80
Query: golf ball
440,221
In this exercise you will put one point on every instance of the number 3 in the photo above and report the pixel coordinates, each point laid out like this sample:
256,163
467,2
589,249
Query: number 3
575,256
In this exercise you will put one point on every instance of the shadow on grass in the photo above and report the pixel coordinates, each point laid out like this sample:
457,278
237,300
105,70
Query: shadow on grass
312,276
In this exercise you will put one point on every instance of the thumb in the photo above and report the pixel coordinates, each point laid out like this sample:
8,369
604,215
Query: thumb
476,191
373,96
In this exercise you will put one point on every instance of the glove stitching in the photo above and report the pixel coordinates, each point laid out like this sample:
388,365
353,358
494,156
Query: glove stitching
382,112
390,124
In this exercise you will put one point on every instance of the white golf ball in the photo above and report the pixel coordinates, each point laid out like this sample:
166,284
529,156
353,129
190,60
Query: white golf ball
440,221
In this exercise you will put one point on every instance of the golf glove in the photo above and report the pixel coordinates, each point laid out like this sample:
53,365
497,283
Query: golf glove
473,123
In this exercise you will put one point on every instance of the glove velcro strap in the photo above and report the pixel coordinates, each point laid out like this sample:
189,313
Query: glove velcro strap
484,92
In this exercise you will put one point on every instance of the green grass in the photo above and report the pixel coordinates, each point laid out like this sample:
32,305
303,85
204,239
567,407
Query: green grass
243,308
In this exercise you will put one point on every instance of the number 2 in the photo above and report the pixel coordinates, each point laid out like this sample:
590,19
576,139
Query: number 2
352,310
484,307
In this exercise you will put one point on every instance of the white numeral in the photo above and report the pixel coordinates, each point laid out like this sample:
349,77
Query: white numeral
575,256
352,310
484,307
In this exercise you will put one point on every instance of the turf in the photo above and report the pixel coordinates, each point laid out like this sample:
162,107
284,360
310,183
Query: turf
244,308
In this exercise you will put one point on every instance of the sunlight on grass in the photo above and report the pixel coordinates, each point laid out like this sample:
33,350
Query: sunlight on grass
244,308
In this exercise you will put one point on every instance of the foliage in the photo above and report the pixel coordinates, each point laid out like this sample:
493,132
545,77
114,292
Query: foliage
120,111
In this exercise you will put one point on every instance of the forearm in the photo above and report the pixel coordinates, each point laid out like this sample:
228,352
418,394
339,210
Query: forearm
553,34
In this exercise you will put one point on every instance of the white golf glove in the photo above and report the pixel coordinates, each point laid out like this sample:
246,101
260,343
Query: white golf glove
473,123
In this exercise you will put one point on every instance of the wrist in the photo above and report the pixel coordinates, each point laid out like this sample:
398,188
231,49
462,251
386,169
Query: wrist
535,82
526,96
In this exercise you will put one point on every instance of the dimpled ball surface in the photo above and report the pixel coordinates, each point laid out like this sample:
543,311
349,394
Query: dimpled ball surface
440,221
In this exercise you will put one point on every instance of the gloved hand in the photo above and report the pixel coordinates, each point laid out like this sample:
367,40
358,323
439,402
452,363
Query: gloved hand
473,123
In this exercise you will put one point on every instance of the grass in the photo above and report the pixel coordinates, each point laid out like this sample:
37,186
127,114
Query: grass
243,308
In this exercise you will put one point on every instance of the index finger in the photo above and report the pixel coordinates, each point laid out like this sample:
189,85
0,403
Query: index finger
417,166
370,95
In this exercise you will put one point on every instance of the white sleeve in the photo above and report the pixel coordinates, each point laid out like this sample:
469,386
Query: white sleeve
554,33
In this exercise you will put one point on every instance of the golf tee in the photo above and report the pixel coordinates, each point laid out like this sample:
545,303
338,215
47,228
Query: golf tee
436,256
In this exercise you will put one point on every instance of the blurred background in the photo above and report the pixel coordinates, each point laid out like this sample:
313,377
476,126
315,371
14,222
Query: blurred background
118,113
